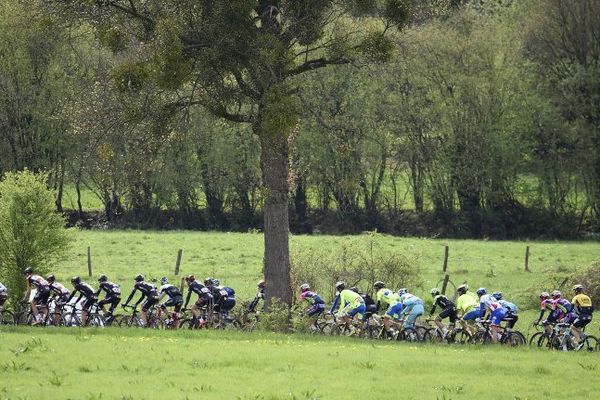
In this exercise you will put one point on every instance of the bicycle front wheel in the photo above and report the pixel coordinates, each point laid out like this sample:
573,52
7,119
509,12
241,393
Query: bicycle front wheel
8,318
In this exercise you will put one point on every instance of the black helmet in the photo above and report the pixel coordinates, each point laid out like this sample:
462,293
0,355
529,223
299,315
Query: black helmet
190,278
578,288
75,280
340,285
209,281
28,270
378,285
139,278
355,289
102,278
435,292
50,278
462,289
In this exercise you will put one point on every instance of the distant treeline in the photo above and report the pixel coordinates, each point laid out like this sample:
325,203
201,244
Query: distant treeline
485,123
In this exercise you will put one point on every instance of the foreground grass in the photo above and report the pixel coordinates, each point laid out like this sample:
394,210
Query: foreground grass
236,258
137,364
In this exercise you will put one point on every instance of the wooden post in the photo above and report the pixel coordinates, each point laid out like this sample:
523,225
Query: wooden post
89,262
445,259
445,284
527,259
181,285
178,262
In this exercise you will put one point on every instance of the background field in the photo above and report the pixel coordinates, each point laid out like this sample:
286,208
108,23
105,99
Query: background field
137,364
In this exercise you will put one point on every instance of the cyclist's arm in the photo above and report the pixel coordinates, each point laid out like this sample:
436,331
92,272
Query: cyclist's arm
27,290
187,298
141,299
130,296
253,303
336,301
73,293
432,309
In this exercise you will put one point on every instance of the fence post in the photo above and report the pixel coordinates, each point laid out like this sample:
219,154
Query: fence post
89,251
181,285
527,259
445,284
178,262
445,259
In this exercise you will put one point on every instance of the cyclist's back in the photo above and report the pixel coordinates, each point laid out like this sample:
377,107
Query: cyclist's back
3,294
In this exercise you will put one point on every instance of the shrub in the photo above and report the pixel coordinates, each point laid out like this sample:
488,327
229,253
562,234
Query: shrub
360,263
31,233
590,279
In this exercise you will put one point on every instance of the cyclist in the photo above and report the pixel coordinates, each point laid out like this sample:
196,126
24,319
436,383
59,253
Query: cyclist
259,296
112,294
60,293
392,299
223,296
3,296
583,307
148,292
467,305
317,305
412,307
86,291
511,310
175,297
42,292
350,303
448,310
497,313
205,297
371,306
553,316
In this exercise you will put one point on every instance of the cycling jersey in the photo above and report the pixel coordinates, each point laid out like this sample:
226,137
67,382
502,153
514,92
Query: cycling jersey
441,301
582,304
39,282
350,302
311,297
508,306
412,307
169,290
467,303
110,289
260,295
3,289
149,293
59,289
562,306
388,296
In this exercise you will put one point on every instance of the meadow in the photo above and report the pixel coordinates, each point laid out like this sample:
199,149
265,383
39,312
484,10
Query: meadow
138,364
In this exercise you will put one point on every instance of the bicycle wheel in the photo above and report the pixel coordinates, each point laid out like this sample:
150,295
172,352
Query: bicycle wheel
535,338
433,335
512,339
544,341
8,318
96,321
589,344
557,343
482,337
409,335
70,319
460,336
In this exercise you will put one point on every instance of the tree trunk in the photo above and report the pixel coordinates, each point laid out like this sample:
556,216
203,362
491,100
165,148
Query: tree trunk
61,183
274,166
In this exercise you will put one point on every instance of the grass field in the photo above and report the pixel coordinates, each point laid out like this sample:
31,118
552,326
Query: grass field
236,258
139,364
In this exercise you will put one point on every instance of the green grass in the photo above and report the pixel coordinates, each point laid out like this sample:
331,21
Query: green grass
138,364
236,258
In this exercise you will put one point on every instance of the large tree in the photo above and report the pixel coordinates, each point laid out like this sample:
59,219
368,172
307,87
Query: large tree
239,59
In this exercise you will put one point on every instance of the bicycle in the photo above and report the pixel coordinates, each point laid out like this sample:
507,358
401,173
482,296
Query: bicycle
6,317
506,335
565,341
455,335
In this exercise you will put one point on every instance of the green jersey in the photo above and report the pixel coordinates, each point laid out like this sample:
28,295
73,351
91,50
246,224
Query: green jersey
349,300
467,302
388,296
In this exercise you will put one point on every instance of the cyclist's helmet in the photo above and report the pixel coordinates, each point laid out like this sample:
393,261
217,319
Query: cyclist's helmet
304,287
261,284
355,289
481,291
544,295
216,282
190,278
28,270
139,278
497,295
556,294
402,291
578,288
76,280
102,278
435,292
378,285
462,289
50,278
164,280
208,281
340,285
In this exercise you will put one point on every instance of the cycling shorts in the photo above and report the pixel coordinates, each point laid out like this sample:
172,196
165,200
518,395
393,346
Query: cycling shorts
582,320
554,316
227,305
112,300
3,297
149,303
87,303
471,315
449,313
173,302
41,296
497,316
415,313
315,309
393,311
357,310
